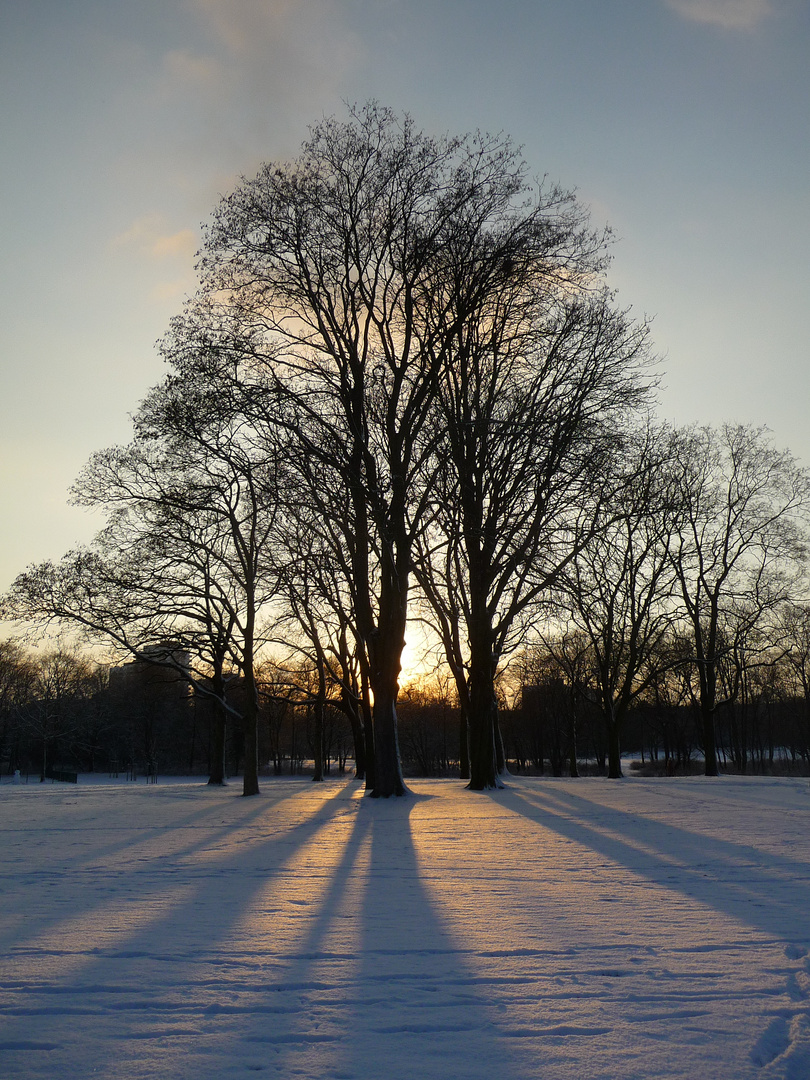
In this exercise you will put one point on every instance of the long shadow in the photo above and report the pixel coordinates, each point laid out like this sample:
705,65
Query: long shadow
187,928
244,810
766,891
420,1009
90,875
313,985
377,986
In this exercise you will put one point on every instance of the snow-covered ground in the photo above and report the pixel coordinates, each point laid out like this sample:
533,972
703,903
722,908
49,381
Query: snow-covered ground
559,929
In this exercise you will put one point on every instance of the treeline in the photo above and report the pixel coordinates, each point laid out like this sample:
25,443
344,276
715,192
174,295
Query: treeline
59,711
404,390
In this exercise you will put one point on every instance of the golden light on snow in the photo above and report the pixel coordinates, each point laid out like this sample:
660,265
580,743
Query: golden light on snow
180,930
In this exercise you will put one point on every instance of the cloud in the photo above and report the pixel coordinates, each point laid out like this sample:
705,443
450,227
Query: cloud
183,244
148,236
729,14
169,255
196,72
296,47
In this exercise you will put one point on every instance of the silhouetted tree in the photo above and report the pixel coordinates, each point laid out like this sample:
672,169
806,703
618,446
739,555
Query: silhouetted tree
345,260
541,375
619,588
741,544
186,554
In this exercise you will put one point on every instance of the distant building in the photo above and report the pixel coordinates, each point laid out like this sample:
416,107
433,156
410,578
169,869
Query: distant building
151,698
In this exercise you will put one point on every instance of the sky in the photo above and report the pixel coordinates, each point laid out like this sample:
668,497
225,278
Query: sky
682,124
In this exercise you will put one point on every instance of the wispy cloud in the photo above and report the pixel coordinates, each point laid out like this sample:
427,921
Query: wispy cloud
299,45
197,72
149,237
729,14
170,254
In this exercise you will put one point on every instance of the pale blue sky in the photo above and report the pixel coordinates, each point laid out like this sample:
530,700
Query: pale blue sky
684,124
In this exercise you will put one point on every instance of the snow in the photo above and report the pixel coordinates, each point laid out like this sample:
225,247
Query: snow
558,929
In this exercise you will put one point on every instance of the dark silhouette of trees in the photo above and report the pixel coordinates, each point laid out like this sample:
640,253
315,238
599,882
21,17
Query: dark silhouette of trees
403,366
740,547
17,675
530,408
618,590
62,686
381,266
186,555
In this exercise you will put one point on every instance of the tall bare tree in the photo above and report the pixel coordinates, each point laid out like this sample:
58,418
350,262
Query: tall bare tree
742,543
342,260
543,375
619,590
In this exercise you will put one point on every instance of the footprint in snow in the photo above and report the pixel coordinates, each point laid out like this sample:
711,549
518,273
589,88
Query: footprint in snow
787,1054
771,1043
795,952
798,986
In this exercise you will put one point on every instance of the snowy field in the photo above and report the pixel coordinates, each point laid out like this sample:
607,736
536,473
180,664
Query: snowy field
559,929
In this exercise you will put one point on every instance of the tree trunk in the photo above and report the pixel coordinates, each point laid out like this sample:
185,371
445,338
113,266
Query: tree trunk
219,726
614,749
320,704
388,779
709,747
317,774
463,742
572,750
250,782
386,643
708,698
483,719
218,733
368,733
483,705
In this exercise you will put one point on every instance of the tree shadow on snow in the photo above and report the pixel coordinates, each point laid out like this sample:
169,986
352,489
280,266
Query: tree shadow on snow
383,989
90,876
766,891
166,958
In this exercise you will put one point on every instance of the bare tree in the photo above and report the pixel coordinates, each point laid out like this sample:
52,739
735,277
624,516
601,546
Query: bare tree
542,375
340,259
63,683
741,546
619,589
185,557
